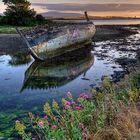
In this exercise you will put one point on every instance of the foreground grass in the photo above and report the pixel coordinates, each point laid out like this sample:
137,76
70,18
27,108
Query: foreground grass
110,114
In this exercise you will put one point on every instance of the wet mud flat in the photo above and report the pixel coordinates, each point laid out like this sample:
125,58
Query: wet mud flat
111,32
121,47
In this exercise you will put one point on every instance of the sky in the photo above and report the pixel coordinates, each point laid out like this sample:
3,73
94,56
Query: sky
105,10
86,1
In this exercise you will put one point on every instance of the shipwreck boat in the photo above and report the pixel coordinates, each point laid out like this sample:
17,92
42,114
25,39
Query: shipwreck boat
47,43
42,75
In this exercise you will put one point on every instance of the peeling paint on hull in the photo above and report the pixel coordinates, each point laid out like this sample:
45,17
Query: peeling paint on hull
48,43
67,37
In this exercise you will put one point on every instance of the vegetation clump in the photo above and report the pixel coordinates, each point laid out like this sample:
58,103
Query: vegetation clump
107,115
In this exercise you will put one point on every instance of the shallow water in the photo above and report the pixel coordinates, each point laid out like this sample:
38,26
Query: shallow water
26,85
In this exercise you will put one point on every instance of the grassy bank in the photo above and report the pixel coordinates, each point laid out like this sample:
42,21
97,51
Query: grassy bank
109,114
6,29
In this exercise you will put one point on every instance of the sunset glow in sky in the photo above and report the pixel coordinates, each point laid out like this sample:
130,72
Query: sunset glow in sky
87,1
129,11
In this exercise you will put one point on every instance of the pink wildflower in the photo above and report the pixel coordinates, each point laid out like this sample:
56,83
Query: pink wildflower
41,123
67,107
33,138
53,127
81,125
67,103
84,96
78,107
85,136
45,118
73,103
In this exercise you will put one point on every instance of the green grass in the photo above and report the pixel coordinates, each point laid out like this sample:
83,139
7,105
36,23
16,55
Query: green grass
6,29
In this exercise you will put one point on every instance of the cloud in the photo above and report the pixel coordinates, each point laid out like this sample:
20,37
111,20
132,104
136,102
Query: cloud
88,1
91,7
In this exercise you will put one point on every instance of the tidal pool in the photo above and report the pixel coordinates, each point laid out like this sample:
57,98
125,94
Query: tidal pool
26,85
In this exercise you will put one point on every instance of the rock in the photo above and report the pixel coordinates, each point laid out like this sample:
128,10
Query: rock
114,67
126,50
101,55
138,54
118,75
7,78
99,89
126,61
92,85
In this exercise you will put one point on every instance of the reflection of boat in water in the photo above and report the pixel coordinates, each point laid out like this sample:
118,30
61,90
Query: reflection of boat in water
46,43
19,58
45,76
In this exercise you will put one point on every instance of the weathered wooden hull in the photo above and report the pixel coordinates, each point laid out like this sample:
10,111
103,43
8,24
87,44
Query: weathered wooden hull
64,39
52,42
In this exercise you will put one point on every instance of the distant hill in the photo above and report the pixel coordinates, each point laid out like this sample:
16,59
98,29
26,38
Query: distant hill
77,16
56,14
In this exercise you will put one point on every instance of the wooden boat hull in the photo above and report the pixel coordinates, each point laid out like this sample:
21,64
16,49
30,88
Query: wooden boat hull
65,39
58,41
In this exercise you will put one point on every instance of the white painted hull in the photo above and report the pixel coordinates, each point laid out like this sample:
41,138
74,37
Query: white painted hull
66,37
